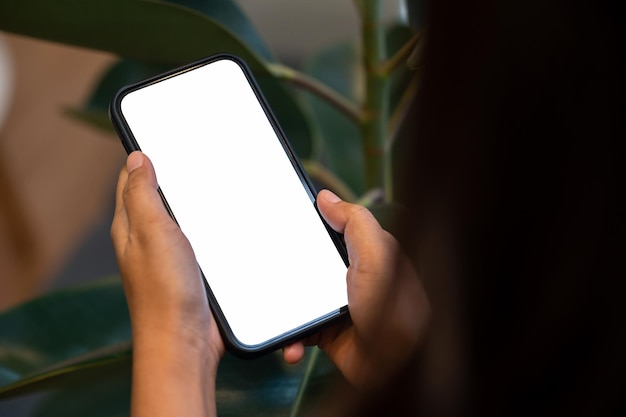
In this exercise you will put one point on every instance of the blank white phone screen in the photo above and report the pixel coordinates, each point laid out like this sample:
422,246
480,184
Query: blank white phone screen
257,237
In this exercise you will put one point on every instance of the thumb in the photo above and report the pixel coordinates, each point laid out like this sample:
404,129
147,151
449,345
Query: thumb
365,239
347,218
140,194
373,257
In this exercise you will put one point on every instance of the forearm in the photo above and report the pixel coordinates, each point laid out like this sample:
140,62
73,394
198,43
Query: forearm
170,378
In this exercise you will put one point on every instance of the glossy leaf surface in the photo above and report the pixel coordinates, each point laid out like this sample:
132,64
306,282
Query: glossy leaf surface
290,114
264,387
123,72
146,30
340,139
230,15
52,336
74,346
102,393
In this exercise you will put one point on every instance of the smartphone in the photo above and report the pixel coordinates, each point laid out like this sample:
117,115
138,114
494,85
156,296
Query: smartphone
274,271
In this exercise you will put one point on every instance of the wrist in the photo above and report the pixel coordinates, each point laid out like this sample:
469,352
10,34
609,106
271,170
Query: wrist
196,341
173,371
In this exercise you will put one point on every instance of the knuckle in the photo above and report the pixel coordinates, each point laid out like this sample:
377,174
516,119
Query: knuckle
113,230
131,189
117,228
359,211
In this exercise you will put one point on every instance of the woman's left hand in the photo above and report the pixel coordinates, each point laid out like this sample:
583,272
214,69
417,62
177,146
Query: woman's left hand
176,344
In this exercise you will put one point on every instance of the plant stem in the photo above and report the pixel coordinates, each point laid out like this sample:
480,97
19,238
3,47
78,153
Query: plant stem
327,178
316,87
374,121
401,111
310,366
371,197
395,122
387,67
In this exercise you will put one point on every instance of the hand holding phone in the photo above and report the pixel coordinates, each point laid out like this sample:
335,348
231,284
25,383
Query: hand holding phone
274,271
175,337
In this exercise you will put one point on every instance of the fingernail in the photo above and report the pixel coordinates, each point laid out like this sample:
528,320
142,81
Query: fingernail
332,197
134,161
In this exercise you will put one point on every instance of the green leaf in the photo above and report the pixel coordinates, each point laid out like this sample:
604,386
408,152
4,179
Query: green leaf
103,393
264,386
119,74
290,114
95,118
396,37
123,72
230,15
74,346
340,140
146,30
269,386
75,329
319,377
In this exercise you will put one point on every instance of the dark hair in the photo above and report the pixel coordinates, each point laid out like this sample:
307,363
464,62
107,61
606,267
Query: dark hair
513,180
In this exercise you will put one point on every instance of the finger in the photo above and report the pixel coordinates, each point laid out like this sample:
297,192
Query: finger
121,184
356,222
140,195
119,225
371,253
293,353
330,205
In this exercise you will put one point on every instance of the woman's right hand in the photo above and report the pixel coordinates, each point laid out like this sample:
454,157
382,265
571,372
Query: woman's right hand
389,310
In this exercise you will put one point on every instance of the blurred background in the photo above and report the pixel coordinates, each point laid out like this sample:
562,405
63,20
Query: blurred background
57,175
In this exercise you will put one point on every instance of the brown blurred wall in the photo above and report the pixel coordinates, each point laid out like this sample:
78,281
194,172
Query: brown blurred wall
56,174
